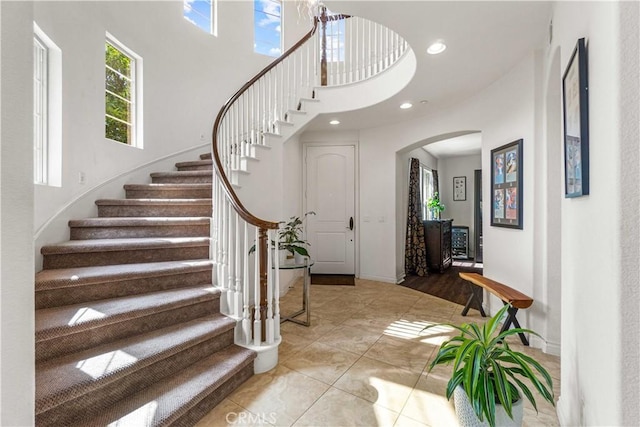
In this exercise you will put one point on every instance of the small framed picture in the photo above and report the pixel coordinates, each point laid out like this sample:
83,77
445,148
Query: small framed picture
576,124
506,185
459,188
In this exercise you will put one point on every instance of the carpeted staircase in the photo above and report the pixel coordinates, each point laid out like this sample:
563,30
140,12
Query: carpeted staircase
128,327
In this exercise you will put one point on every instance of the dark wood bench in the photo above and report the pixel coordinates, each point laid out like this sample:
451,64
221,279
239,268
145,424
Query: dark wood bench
508,296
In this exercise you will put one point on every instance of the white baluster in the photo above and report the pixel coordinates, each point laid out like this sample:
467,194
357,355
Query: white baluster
231,271
276,286
246,309
257,326
269,321
241,253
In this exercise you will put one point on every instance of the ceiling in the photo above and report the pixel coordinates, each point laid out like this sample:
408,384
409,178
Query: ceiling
465,145
484,41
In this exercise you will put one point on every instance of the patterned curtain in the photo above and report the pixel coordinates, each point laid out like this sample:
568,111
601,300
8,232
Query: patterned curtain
436,183
415,261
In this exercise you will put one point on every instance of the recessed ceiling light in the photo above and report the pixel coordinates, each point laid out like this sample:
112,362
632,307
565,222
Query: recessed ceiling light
424,101
334,122
406,105
436,48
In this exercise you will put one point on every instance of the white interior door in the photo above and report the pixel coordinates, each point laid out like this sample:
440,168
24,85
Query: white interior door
330,181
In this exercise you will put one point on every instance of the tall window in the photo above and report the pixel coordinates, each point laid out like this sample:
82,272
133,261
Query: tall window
40,110
427,190
47,110
267,26
335,39
202,13
122,121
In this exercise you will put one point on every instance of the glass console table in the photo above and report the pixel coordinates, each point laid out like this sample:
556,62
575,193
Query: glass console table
305,294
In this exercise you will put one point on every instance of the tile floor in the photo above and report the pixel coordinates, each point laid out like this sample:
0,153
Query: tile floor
362,362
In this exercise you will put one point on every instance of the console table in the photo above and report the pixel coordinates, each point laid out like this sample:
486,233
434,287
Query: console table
306,307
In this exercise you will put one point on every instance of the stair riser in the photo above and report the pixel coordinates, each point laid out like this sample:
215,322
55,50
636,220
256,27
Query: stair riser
154,211
182,179
197,412
206,156
182,193
87,405
208,167
86,259
114,289
88,233
93,337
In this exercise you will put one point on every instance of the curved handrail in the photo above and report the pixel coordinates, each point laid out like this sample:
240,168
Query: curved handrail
233,198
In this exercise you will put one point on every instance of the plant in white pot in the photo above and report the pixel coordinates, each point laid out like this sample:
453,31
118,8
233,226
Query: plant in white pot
291,239
490,377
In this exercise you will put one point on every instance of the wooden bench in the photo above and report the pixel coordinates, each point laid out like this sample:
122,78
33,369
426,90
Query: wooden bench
508,296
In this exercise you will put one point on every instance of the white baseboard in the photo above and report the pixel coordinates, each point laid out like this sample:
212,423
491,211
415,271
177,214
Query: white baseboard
378,278
561,413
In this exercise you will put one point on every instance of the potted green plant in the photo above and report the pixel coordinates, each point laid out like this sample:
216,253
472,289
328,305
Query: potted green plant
435,206
489,375
290,238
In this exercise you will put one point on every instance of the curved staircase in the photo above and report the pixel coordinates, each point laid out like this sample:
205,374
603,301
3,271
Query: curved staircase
128,323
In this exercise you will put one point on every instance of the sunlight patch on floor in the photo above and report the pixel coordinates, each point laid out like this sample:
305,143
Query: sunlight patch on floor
412,330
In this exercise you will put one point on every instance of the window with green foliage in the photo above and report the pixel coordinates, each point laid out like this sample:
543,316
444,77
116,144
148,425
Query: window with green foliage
267,27
120,94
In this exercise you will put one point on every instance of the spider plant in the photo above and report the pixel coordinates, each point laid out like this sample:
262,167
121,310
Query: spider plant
489,370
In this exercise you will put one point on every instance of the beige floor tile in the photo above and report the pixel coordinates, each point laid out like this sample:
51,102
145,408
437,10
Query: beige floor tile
229,414
338,408
291,343
281,395
355,340
403,421
319,327
322,362
370,320
407,354
427,404
378,382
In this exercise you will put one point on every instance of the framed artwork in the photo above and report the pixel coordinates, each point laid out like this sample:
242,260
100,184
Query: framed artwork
506,185
459,188
576,124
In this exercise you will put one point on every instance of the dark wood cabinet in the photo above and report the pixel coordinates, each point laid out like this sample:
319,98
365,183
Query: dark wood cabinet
437,235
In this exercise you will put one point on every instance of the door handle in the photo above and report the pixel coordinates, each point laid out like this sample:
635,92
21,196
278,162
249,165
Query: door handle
351,223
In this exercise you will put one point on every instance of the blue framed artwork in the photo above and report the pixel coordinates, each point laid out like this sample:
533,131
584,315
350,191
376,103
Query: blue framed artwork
506,185
576,123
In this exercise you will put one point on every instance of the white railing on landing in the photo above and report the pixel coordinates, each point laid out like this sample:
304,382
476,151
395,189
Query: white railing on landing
338,50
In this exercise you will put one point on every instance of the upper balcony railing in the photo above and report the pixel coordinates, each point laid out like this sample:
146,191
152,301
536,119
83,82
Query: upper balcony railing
338,50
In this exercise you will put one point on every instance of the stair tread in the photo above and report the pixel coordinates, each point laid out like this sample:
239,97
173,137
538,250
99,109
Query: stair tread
182,173
59,380
138,221
59,321
169,186
79,276
205,156
195,163
164,401
136,202
132,243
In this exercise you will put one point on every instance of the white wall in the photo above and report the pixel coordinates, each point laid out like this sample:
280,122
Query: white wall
599,270
462,211
504,112
16,216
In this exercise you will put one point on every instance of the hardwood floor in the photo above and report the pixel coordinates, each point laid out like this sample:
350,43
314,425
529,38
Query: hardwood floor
447,285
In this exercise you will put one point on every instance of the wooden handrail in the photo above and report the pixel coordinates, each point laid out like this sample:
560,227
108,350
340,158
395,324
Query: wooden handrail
233,198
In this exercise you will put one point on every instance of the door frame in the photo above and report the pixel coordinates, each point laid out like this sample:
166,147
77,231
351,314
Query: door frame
356,183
